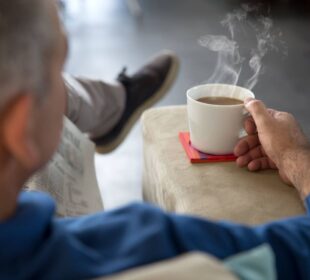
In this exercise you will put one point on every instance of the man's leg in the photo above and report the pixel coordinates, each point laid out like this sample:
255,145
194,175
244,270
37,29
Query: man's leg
94,106
107,112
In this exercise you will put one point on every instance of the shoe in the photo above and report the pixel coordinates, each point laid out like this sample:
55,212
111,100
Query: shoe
143,89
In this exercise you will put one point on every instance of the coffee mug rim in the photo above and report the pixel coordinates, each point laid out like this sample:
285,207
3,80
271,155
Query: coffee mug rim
216,84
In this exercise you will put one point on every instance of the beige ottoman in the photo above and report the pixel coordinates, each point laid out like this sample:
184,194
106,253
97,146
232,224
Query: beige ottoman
213,190
193,266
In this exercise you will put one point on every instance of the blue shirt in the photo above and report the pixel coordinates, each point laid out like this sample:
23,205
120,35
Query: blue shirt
35,245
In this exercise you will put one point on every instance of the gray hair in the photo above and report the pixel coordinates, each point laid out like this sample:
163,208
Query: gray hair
27,40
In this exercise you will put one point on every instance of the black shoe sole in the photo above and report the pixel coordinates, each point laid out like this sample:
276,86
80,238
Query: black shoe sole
171,76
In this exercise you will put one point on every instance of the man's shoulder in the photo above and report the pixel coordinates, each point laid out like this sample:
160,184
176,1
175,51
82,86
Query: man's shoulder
31,206
22,232
35,199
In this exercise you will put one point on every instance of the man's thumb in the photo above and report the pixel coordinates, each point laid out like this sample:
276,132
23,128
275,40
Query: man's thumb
258,111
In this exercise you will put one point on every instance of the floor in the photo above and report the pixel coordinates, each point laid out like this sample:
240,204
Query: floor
104,36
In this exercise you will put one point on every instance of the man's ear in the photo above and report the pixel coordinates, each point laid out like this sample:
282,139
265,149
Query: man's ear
18,131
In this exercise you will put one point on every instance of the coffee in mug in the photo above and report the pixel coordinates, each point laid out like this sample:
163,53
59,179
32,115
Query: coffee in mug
220,100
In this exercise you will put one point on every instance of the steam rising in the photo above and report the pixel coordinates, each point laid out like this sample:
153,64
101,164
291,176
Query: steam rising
246,20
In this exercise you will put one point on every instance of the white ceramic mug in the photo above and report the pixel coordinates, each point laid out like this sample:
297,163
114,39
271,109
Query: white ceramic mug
215,129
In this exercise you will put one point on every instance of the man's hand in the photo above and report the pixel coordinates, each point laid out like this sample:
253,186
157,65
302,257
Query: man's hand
275,141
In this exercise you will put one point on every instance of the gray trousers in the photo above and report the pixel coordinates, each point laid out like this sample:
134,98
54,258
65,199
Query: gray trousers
94,106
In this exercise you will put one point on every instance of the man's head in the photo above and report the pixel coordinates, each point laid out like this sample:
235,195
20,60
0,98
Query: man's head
32,94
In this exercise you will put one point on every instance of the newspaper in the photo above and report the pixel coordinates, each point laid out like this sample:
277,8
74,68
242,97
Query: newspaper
70,176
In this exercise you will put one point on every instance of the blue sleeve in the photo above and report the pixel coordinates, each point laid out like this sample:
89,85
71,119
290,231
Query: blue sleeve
139,234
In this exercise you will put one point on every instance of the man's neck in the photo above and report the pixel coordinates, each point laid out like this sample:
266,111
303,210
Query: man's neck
8,205
11,182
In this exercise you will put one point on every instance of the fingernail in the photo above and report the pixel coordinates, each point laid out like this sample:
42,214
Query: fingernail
248,100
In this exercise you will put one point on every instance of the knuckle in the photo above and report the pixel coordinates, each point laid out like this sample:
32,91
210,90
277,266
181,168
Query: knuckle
286,115
290,116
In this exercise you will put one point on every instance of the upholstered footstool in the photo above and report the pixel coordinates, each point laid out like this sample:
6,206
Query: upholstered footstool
194,266
213,190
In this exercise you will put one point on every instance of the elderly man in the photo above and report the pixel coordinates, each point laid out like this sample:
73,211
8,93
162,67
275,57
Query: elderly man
36,245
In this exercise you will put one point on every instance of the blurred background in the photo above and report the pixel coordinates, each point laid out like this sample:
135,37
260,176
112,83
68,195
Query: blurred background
106,35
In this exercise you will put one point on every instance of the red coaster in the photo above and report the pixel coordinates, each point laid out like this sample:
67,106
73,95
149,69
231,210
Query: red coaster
196,156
